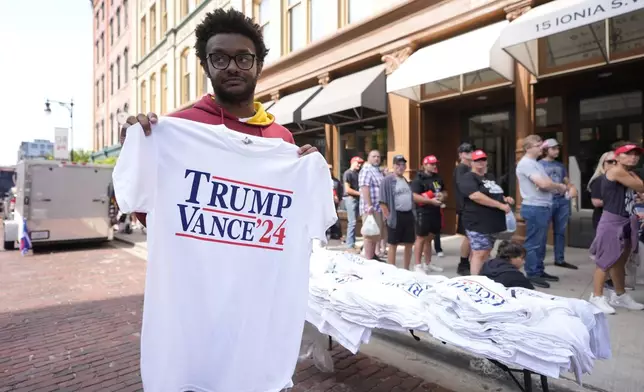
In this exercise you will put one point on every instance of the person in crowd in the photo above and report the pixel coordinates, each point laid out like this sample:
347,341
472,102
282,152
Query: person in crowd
463,167
606,161
428,185
536,191
617,232
381,249
505,268
352,198
397,204
231,50
560,201
369,181
483,211
335,232
437,238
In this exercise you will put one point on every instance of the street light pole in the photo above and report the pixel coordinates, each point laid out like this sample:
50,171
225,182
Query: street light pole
69,106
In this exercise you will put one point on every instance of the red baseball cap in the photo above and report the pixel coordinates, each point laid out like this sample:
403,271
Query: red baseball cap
357,159
478,154
628,148
430,159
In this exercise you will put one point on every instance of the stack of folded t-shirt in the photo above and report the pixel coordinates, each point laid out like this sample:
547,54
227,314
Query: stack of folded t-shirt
349,296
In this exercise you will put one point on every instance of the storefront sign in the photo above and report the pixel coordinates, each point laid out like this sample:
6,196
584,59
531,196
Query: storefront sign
61,143
585,13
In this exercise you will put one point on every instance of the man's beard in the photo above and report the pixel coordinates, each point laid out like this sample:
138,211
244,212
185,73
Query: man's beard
234,98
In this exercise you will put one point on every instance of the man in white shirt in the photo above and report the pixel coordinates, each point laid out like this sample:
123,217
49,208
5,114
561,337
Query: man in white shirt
536,191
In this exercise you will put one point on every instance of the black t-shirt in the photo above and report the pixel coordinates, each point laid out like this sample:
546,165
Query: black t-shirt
477,217
351,176
337,187
425,182
459,171
618,199
596,193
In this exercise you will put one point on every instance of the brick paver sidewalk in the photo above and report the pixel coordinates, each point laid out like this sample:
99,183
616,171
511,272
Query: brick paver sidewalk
70,321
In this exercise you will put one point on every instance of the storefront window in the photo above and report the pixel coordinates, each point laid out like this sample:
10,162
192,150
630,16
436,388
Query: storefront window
611,106
604,121
491,132
579,47
480,79
592,44
548,111
441,88
358,141
314,138
627,35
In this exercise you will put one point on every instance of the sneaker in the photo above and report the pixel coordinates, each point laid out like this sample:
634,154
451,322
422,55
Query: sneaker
433,268
625,301
441,254
538,281
563,264
601,304
549,278
419,268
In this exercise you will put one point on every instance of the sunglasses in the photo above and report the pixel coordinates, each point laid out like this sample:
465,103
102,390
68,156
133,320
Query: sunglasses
481,160
611,161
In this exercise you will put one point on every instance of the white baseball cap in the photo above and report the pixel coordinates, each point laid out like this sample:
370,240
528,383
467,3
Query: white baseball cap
549,143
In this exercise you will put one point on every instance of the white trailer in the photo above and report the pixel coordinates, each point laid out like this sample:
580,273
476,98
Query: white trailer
61,203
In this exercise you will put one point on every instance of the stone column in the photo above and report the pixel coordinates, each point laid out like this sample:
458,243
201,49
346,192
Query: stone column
329,129
524,109
403,125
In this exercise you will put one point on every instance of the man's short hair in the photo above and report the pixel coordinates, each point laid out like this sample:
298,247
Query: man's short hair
529,140
229,21
466,148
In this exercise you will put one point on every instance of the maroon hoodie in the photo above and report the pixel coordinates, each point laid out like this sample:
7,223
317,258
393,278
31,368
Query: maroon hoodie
208,112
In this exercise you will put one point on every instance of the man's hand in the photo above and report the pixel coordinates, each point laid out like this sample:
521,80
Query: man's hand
572,191
146,122
505,207
509,200
306,150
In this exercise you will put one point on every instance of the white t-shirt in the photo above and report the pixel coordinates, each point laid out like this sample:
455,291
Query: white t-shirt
230,223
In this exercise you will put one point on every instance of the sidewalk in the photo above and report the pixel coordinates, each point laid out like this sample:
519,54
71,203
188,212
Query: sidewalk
622,373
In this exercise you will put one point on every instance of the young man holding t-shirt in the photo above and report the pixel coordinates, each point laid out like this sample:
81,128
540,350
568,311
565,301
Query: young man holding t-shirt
231,50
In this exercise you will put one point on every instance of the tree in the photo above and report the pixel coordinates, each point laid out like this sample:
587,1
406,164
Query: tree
82,156
106,161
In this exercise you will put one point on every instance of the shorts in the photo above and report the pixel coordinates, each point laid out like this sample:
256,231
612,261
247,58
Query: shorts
404,232
427,224
481,241
460,229
379,221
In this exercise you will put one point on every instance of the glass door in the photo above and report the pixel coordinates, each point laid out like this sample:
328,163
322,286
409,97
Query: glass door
599,122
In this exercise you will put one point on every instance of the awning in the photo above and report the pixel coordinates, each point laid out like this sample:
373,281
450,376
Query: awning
520,38
467,62
288,110
353,97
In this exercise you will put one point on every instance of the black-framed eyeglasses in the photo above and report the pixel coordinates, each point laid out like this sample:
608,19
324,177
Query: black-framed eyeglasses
221,61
